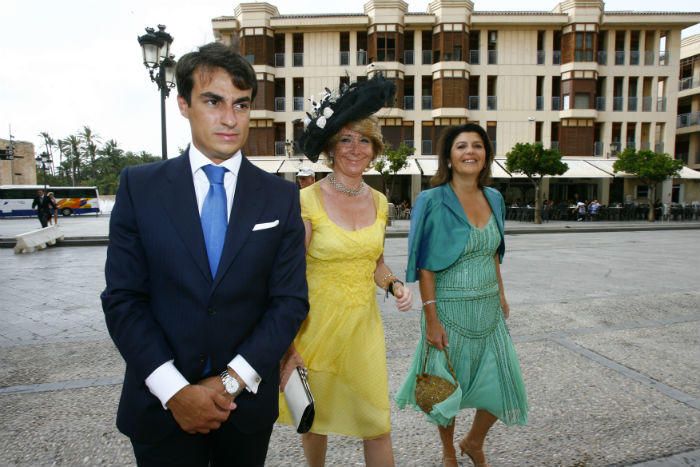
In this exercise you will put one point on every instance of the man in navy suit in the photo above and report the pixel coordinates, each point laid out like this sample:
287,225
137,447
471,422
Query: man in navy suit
202,327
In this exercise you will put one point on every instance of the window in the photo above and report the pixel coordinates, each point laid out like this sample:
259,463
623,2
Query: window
584,47
386,46
493,48
344,48
298,47
582,100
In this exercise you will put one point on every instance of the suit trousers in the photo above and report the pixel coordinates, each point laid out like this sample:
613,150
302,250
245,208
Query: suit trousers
224,447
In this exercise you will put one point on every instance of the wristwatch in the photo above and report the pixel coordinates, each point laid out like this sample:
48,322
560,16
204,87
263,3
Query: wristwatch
231,384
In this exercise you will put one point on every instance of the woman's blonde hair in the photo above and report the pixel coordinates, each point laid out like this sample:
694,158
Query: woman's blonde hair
368,127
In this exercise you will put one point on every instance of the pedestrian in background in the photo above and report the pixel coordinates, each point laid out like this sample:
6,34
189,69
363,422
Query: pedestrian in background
456,244
42,205
305,177
53,209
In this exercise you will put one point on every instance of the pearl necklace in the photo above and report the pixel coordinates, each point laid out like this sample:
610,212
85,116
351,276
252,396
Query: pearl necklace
338,186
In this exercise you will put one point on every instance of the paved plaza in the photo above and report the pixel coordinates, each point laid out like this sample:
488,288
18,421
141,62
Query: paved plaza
606,324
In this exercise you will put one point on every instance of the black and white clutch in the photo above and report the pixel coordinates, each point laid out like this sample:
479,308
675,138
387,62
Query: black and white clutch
300,401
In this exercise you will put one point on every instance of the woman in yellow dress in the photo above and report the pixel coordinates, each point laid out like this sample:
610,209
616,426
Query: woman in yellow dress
341,343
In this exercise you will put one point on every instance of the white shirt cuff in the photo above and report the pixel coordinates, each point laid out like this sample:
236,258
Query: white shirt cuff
165,382
243,369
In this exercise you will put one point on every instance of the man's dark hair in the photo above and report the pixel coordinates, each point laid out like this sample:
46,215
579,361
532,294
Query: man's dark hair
208,57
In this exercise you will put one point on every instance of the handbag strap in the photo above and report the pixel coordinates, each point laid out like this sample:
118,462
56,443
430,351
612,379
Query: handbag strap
447,357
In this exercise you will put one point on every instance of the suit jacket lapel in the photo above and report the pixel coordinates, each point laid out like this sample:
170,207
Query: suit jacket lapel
180,203
248,202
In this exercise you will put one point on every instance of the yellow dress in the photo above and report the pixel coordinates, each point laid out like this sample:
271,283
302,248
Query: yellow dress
342,338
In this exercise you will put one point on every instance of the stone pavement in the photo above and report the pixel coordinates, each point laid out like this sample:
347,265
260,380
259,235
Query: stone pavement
607,327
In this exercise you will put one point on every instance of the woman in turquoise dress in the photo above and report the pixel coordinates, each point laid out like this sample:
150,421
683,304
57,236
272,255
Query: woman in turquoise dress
456,245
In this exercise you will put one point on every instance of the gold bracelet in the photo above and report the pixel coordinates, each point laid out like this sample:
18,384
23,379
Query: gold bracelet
388,275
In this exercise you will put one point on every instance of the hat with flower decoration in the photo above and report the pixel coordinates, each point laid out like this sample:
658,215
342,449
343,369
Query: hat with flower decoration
335,110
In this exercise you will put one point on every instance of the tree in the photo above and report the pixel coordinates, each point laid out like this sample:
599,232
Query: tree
90,140
535,162
391,162
650,167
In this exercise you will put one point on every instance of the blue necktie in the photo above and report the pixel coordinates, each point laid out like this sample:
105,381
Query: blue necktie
214,218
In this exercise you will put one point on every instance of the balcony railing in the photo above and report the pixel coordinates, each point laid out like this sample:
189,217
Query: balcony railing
649,57
298,59
600,103
619,57
426,102
409,142
388,55
688,83
408,57
554,145
615,147
645,146
686,120
493,57
598,148
493,146
408,102
631,144
426,147
556,57
491,103
602,57
474,57
659,147
279,104
344,58
540,57
683,157
539,103
634,57
473,103
632,103
298,104
617,103
583,55
279,60
661,104
646,104
556,102
663,58
280,149
427,57
361,57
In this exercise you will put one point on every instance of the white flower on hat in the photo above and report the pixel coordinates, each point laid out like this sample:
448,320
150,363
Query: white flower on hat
307,120
327,112
321,122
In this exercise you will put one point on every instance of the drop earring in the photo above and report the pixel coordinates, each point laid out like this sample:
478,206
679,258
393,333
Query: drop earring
449,165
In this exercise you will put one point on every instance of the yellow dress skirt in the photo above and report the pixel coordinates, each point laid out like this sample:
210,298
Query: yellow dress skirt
342,339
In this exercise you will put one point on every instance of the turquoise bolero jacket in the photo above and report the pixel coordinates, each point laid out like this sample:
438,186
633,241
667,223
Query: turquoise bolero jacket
439,229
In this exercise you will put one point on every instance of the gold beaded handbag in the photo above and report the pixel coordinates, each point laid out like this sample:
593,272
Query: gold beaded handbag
432,389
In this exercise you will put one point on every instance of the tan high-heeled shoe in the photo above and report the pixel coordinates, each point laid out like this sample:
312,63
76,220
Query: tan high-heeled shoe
466,449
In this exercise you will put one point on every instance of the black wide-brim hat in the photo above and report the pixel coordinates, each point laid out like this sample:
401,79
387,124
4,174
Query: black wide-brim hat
355,102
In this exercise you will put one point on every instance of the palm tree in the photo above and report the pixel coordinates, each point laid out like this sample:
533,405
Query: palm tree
90,140
73,142
49,143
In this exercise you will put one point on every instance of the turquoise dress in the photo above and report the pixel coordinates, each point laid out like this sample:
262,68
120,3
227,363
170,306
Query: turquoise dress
480,347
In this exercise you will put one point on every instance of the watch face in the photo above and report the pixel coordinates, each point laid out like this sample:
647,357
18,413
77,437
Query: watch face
231,385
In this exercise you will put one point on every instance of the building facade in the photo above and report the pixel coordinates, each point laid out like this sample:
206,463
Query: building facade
586,81
21,170
688,119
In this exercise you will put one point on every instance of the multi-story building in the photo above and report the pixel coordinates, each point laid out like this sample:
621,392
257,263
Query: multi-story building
581,79
688,119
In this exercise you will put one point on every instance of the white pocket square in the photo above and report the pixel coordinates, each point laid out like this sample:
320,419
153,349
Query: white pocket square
266,225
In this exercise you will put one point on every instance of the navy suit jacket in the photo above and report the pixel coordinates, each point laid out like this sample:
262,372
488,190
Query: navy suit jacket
161,302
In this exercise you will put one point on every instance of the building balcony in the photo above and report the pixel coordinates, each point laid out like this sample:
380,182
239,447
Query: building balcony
344,58
661,104
646,103
492,57
491,103
556,102
409,143
408,56
687,120
583,55
632,103
279,104
427,57
600,103
664,58
615,148
659,147
619,57
618,103
298,104
426,102
688,83
408,102
539,103
634,57
649,57
473,103
473,57
556,57
279,60
554,145
426,147
540,57
602,57
598,148
388,55
280,148
645,146
631,144
361,57
297,59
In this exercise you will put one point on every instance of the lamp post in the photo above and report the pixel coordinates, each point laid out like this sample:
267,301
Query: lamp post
44,158
155,46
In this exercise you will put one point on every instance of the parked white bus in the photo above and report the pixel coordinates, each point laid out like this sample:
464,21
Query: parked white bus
16,200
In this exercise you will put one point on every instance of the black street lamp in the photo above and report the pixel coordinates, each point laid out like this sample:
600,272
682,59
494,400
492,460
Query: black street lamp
44,158
155,46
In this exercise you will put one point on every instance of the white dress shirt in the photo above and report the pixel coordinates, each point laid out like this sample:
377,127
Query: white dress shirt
166,380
